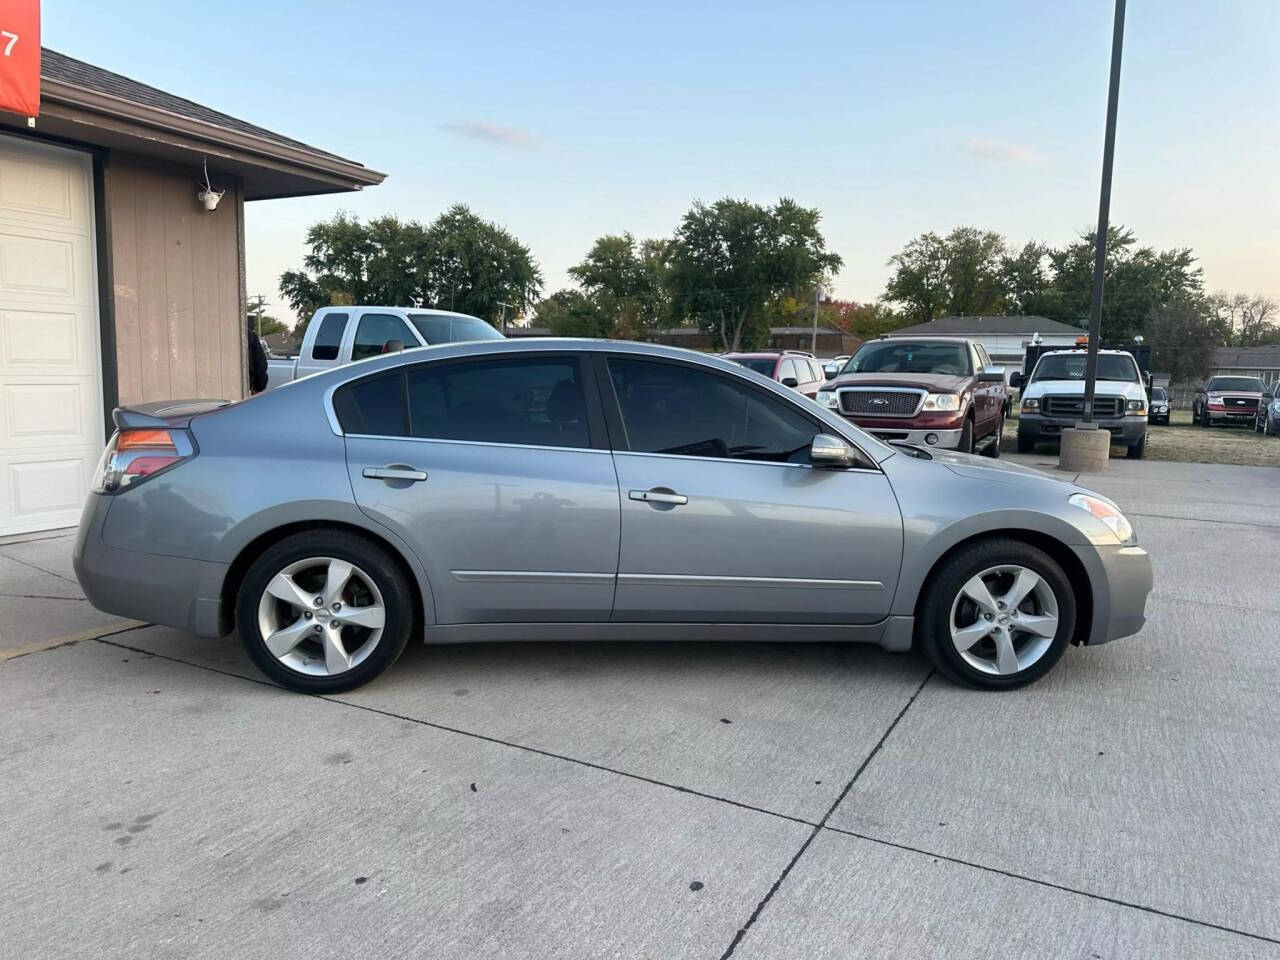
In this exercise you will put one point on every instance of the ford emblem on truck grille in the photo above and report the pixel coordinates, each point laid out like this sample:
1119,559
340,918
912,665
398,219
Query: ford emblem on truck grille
879,402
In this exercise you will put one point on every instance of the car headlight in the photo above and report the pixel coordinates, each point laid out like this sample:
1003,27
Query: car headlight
1136,406
828,398
1031,405
1276,406
1113,518
941,401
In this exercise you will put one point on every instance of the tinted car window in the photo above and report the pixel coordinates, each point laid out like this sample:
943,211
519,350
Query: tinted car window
1235,383
1158,394
375,330
765,365
1119,368
446,328
669,408
538,401
375,407
329,336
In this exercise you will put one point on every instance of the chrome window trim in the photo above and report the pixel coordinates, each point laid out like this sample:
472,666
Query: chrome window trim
758,463
905,416
694,580
474,443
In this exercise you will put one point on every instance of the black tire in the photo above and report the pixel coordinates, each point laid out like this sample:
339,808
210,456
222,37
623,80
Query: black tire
1135,451
933,623
1271,432
993,448
374,561
1025,444
966,437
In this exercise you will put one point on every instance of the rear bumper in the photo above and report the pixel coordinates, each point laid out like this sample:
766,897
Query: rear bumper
1034,426
1121,578
173,591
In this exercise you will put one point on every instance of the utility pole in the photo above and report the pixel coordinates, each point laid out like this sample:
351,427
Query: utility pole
817,295
1104,213
260,302
502,317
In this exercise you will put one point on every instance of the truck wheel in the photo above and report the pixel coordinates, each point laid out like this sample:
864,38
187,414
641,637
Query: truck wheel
1025,444
1136,451
966,438
993,448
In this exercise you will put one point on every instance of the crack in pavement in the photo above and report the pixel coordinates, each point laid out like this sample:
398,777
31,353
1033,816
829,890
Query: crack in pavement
35,566
38,596
755,914
1056,886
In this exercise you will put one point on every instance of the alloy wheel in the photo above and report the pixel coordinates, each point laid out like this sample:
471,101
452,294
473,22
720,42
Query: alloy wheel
321,616
1004,619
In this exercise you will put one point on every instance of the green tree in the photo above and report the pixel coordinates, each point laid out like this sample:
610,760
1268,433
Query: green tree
473,266
1184,334
731,257
1250,319
571,313
919,281
1027,278
973,260
627,281
1137,282
460,262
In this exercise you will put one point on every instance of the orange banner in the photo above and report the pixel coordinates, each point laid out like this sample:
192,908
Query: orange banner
20,56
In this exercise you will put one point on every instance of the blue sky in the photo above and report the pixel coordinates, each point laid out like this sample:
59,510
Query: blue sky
565,121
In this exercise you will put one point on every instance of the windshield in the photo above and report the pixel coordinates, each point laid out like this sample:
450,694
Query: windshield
452,328
1070,366
910,356
1158,394
1252,384
763,365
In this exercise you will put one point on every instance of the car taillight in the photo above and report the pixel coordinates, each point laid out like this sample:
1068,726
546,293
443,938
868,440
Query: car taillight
133,455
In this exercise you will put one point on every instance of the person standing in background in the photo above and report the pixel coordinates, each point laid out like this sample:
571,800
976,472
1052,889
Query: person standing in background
257,362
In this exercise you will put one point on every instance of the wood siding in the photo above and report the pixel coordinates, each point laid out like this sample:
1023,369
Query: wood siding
177,287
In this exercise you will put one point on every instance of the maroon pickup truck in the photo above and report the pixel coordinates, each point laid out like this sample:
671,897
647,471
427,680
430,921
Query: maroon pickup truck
923,391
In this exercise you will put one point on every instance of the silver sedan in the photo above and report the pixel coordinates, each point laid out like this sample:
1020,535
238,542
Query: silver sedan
567,489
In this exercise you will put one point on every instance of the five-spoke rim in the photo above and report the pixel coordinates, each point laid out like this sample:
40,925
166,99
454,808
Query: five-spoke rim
1004,619
321,616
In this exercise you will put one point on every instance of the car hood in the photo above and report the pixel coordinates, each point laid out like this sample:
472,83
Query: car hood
936,382
999,471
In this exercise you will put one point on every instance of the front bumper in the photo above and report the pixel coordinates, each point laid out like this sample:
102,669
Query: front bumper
1121,578
1231,416
1035,426
943,439
173,591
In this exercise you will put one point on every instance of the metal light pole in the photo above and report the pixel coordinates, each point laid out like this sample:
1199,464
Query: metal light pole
1104,211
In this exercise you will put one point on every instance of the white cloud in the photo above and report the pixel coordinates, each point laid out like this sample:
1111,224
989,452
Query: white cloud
490,133
985,148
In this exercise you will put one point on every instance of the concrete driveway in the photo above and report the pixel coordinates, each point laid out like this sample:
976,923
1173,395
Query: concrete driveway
589,800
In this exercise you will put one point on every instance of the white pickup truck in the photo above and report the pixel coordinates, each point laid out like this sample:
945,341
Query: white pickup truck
1053,399
338,335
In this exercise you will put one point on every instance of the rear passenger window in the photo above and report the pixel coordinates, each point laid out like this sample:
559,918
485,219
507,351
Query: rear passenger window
376,330
375,407
329,336
536,401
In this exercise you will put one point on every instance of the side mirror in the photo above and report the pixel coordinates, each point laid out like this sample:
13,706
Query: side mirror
829,451
393,346
1017,379
991,375
830,373
789,382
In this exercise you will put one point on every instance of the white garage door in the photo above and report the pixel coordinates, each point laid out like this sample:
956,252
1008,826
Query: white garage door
51,427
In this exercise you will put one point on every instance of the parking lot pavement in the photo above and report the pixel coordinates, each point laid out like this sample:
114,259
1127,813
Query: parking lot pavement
40,601
831,801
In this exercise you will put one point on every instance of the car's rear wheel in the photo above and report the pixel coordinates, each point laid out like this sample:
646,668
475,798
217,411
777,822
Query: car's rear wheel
324,612
997,615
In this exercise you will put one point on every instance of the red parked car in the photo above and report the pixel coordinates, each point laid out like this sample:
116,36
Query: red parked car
791,368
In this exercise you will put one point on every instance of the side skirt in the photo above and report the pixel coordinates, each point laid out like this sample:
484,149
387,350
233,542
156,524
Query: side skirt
892,633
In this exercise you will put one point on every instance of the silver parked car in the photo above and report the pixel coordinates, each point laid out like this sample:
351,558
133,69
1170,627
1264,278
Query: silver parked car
562,489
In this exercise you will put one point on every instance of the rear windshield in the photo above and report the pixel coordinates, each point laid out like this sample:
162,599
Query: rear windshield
907,356
763,365
1252,384
446,328
1070,366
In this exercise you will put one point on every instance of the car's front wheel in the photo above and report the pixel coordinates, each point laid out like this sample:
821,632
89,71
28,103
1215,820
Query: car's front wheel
997,614
324,611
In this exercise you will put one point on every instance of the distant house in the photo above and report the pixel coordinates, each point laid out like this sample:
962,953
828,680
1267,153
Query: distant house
1261,362
1004,338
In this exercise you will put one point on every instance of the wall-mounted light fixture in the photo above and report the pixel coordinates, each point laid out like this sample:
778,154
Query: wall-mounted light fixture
207,195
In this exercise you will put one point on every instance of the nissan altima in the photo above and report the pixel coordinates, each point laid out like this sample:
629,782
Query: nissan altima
573,489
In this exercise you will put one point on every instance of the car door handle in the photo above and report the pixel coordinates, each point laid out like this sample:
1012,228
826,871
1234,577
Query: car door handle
658,496
394,473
